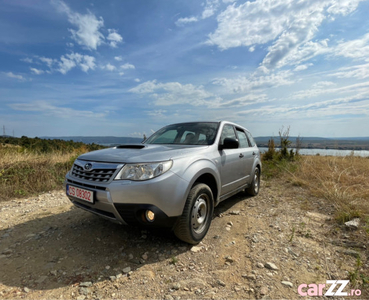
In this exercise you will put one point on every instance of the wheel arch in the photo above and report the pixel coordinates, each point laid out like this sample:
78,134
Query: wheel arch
211,182
203,171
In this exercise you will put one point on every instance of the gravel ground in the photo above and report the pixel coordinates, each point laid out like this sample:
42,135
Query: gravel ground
260,247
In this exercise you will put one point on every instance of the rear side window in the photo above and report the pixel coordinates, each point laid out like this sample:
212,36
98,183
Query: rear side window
242,139
251,139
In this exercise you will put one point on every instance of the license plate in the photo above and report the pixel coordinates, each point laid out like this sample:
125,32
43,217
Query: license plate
80,193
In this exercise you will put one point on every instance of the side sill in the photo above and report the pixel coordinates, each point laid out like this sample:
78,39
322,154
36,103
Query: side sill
230,194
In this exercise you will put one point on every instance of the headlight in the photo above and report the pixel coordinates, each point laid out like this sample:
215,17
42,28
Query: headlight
143,171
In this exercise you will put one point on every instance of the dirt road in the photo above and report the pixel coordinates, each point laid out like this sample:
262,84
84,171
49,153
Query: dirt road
261,247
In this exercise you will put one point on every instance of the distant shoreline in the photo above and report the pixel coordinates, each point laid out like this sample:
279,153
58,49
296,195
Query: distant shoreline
351,144
348,148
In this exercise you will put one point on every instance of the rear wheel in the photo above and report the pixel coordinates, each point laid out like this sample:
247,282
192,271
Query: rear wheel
253,190
195,221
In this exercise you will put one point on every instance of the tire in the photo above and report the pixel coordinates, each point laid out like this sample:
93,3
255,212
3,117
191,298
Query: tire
195,221
254,188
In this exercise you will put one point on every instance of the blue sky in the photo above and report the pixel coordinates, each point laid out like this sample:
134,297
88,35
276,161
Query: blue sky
126,68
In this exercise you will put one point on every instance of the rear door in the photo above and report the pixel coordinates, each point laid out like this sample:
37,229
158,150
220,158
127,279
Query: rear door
247,155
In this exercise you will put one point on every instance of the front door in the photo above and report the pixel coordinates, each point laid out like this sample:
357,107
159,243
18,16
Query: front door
232,171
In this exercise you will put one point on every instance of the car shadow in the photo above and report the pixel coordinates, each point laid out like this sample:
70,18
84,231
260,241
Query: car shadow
74,246
226,205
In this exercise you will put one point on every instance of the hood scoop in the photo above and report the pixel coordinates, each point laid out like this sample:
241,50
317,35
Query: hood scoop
130,147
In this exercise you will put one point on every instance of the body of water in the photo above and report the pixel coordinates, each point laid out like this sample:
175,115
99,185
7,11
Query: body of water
327,152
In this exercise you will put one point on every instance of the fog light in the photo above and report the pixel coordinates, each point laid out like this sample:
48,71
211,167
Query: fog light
150,216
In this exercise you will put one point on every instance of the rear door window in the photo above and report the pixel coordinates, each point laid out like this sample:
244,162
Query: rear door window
242,138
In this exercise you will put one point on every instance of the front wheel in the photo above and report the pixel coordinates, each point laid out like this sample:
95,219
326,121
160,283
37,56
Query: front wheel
253,190
195,221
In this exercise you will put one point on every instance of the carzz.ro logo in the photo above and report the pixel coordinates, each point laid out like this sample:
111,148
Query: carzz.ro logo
317,289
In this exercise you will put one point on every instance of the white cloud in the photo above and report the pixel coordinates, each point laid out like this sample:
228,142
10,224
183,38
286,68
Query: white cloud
255,81
37,71
27,60
121,73
249,24
172,93
328,88
87,63
249,99
110,67
157,113
343,7
336,107
302,67
289,24
145,88
118,58
299,54
356,49
88,33
66,64
12,75
114,37
210,8
323,84
137,80
69,61
184,21
127,66
137,134
58,111
48,61
358,71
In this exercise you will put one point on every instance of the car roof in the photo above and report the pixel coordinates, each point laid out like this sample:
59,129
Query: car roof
222,122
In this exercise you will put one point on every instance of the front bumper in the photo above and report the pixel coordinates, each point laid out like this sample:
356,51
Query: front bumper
126,202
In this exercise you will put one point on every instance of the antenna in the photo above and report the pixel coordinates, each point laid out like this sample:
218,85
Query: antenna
3,130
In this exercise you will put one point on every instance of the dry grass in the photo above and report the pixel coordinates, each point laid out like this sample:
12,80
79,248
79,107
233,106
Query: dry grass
343,181
24,174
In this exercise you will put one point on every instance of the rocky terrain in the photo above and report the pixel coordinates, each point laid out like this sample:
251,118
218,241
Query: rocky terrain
259,247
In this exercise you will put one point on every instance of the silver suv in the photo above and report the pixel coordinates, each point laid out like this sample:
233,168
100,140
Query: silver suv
175,178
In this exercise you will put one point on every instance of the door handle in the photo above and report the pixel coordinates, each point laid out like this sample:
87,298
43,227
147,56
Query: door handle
241,155
253,153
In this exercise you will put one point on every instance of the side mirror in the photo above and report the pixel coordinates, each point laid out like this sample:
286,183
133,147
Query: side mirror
229,143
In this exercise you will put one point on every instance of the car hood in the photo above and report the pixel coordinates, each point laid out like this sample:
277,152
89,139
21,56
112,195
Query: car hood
137,153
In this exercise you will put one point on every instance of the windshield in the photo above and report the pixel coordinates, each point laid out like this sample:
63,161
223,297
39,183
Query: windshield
185,134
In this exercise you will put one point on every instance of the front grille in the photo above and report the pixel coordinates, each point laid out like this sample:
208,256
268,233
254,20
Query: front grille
95,175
